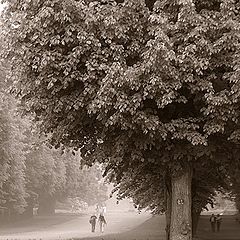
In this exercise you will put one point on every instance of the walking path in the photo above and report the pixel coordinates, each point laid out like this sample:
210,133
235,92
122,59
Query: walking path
121,226
154,229
78,227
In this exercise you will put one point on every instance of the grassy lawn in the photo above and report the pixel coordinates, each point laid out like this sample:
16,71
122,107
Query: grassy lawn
34,224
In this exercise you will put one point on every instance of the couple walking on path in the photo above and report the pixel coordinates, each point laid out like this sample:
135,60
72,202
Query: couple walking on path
215,220
101,220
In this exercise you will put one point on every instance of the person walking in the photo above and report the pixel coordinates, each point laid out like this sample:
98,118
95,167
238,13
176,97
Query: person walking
218,221
213,222
102,222
92,221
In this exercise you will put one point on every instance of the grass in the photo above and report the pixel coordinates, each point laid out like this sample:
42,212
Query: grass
230,229
34,224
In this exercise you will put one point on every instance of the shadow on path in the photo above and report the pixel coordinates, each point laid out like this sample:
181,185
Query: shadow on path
230,229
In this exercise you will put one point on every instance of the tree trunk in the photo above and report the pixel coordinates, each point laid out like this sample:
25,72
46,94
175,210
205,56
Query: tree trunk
181,218
195,219
28,213
168,204
46,205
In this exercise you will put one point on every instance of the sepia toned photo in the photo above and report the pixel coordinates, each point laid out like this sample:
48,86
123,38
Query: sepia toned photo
119,120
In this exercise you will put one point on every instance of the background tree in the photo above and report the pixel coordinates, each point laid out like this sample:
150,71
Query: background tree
32,173
84,182
54,176
12,183
12,159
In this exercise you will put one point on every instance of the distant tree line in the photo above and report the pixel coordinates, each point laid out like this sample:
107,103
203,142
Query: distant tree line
34,174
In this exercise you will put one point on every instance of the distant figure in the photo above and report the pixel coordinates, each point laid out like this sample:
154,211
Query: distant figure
213,222
102,222
92,221
218,221
99,208
104,209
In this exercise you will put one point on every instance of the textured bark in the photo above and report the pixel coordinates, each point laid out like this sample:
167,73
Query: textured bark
168,204
195,220
181,218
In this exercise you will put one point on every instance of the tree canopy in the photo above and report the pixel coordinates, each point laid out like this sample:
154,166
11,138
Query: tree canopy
131,83
98,72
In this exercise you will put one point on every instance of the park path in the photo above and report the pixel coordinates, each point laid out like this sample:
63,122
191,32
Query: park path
78,227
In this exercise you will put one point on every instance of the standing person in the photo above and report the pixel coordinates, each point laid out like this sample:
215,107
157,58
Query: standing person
102,222
213,222
92,221
218,221
104,208
97,208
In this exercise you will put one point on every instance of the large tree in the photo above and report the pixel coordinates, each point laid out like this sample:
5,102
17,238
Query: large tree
132,82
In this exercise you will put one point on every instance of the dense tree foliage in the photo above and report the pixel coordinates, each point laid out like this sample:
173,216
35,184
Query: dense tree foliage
133,84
